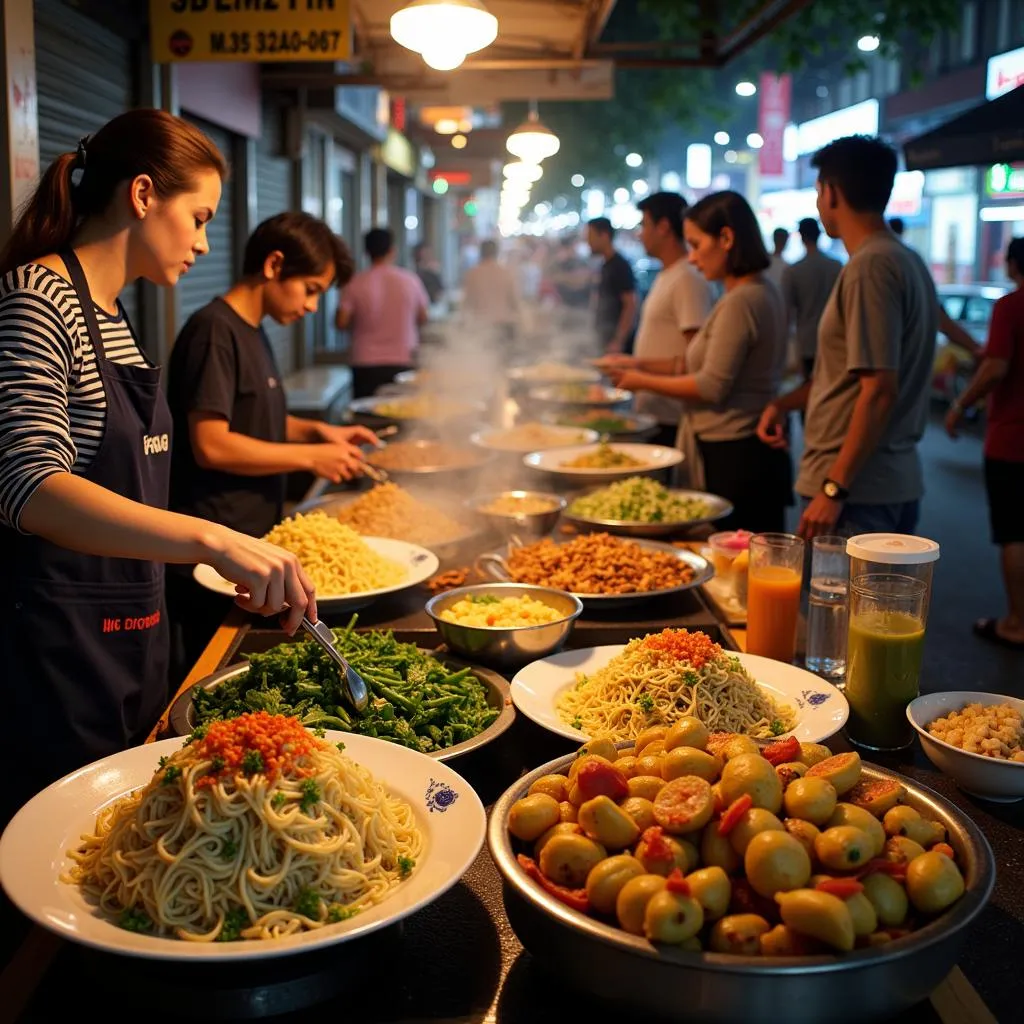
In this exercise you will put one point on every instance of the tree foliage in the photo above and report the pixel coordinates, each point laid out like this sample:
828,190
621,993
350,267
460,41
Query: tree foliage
596,135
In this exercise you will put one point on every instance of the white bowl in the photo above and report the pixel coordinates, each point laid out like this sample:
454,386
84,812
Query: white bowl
986,777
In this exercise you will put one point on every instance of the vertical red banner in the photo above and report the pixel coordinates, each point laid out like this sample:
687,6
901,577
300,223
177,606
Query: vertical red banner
772,117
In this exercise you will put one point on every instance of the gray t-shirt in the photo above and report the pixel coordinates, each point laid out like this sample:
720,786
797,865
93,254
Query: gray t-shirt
737,358
806,286
882,315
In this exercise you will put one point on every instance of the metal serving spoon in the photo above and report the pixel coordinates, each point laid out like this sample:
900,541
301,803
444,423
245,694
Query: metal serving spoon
354,684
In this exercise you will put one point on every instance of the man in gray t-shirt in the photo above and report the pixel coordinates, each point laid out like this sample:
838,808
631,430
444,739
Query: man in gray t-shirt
867,403
806,287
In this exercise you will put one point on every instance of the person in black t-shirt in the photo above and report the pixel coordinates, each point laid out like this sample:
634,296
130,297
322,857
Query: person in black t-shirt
235,442
616,290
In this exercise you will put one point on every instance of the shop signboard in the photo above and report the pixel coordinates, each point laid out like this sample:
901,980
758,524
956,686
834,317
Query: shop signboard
1005,72
1004,180
860,119
249,30
772,115
907,190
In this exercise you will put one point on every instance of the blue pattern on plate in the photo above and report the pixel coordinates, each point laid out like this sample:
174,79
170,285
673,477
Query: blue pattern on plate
814,699
440,796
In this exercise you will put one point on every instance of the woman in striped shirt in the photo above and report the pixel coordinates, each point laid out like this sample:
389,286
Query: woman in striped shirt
84,451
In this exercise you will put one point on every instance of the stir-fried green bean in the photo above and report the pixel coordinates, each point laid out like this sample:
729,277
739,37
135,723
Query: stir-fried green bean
415,699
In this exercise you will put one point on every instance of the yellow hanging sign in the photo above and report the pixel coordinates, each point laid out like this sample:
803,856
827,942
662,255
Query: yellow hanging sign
249,30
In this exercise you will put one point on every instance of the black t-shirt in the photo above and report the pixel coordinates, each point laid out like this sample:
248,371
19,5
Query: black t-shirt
616,280
220,364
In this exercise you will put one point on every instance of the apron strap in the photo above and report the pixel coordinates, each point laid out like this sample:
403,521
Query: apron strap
81,286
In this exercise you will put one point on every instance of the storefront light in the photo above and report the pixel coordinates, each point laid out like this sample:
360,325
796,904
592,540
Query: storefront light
755,141
868,44
995,214
440,186
443,32
459,141
621,195
519,170
730,156
634,159
533,141
640,187
446,126
745,89
578,181
722,138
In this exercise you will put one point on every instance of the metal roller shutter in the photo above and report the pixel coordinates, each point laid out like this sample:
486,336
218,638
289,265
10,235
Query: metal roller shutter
274,195
85,76
214,273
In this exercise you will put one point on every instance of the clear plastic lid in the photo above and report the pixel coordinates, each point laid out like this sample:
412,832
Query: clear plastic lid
892,549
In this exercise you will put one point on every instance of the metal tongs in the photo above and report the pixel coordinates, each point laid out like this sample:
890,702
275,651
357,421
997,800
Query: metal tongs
353,683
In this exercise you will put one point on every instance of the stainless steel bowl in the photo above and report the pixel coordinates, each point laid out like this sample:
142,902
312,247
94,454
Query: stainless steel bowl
525,526
718,508
465,471
711,988
506,645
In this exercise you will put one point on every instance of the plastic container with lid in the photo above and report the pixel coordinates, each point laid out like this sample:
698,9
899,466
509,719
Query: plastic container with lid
900,553
730,557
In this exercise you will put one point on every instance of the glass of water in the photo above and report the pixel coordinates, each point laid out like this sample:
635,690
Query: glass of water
828,608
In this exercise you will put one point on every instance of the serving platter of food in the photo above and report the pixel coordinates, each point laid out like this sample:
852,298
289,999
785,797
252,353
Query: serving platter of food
532,436
642,507
585,396
349,571
434,703
421,458
373,832
553,372
601,570
389,510
618,426
603,462
622,690
743,881
427,407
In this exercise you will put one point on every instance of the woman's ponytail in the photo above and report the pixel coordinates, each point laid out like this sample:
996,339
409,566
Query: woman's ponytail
47,221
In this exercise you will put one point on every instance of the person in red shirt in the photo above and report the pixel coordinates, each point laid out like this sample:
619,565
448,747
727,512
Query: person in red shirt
1000,378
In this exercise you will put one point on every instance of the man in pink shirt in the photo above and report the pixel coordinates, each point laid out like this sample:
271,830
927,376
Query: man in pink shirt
384,308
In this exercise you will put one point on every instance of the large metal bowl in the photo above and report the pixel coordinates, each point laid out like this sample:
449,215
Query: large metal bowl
711,988
506,645
462,472
526,526
182,719
578,397
718,508
405,408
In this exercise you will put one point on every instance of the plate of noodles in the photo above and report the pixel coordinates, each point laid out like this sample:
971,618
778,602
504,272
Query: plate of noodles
258,839
348,570
430,407
603,462
621,689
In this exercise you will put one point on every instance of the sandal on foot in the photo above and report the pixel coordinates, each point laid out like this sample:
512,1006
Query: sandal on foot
987,629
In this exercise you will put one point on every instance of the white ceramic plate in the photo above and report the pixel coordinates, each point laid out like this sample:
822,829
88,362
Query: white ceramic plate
420,564
821,709
652,458
502,439
34,847
554,373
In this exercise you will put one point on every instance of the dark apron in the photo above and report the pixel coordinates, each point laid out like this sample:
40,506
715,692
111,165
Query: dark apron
83,638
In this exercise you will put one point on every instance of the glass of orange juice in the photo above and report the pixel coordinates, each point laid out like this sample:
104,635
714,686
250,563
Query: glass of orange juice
773,594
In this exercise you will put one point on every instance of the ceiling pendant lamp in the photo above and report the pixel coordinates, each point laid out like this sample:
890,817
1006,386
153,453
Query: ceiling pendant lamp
443,32
519,170
532,141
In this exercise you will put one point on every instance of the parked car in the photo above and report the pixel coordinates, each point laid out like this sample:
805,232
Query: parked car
970,306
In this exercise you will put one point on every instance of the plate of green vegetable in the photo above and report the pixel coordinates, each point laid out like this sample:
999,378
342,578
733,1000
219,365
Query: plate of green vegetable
433,703
642,507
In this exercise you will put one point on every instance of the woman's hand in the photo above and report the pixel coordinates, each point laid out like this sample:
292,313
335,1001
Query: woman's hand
771,429
615,361
267,579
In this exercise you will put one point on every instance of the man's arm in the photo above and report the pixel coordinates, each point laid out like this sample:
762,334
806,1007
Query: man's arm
626,320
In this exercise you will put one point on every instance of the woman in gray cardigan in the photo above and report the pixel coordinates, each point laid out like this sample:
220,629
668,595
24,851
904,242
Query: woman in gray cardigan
731,368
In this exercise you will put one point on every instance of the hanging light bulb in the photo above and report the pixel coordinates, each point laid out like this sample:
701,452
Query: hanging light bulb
532,141
519,170
444,31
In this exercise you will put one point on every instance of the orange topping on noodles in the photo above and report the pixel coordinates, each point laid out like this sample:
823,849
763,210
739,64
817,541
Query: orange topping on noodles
682,645
255,743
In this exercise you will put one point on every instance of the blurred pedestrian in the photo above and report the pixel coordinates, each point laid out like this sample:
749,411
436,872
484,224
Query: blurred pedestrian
1000,379
615,305
867,402
428,270
678,303
806,286
729,370
780,239
490,294
384,307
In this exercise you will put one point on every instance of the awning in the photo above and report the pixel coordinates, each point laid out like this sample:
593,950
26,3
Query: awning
992,133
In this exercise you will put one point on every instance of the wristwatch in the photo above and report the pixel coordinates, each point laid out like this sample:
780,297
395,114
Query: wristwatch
837,492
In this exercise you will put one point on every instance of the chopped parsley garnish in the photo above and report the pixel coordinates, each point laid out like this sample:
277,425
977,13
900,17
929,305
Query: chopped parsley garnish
319,732
483,599
405,866
162,762
645,702
217,765
252,762
690,677
337,913
228,849
234,921
778,728
172,774
198,733
341,747
577,723
277,801
133,920
308,904
310,795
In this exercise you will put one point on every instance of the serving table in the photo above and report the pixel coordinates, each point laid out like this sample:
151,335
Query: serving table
458,960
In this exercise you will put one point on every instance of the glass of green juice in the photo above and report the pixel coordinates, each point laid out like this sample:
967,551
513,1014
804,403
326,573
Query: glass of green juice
883,658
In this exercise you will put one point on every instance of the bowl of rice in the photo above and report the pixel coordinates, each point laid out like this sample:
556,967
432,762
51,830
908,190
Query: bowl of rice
504,623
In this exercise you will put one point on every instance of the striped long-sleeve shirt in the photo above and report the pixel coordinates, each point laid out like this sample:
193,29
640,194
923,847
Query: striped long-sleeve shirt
52,402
